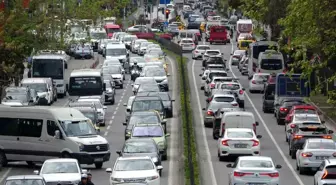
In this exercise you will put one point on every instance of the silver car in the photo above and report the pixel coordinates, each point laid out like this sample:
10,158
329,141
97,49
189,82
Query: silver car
325,174
187,44
254,170
25,179
199,51
84,51
142,80
313,152
212,108
257,83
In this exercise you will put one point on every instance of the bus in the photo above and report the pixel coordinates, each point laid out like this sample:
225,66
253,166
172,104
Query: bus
51,64
86,82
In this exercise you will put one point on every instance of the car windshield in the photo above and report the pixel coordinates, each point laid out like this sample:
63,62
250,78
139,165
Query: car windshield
271,64
156,71
255,164
90,115
321,145
235,134
261,77
215,106
144,81
16,96
134,165
150,119
213,52
230,86
25,182
59,167
147,131
203,47
149,88
78,128
212,74
305,111
116,52
307,118
139,147
224,99
315,129
38,87
137,60
145,105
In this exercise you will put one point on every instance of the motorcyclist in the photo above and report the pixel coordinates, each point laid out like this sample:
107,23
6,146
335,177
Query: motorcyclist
89,175
135,66
84,180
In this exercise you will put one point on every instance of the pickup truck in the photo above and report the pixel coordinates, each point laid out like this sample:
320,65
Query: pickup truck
218,34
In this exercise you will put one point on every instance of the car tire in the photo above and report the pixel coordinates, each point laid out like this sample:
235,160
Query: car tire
297,166
286,138
164,156
210,43
121,86
242,105
302,170
99,165
3,159
293,155
113,100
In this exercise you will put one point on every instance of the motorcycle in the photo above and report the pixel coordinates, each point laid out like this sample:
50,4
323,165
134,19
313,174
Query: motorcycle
135,73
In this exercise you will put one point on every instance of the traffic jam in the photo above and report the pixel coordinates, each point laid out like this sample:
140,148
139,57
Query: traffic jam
239,79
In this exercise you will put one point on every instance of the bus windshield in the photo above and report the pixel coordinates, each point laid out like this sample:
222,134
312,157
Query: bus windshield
79,86
48,68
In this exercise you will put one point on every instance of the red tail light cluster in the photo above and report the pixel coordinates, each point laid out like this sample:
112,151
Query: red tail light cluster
306,154
225,142
210,113
255,142
254,82
234,104
241,174
273,175
241,92
283,109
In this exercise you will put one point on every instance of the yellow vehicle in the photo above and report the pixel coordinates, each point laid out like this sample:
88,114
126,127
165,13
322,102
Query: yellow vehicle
202,27
180,25
244,44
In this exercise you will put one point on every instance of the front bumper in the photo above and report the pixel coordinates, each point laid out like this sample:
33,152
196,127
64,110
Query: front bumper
89,158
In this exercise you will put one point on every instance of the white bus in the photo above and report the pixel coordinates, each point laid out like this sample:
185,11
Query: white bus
51,64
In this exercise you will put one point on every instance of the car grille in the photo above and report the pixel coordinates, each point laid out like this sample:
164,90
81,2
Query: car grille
60,183
95,148
135,180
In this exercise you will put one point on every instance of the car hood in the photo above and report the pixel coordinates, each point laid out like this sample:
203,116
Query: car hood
89,140
134,174
62,177
13,103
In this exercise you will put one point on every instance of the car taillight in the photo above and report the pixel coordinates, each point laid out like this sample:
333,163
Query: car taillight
225,143
325,174
210,113
298,136
327,137
292,125
241,174
212,85
273,175
283,109
255,142
254,82
241,92
234,104
306,154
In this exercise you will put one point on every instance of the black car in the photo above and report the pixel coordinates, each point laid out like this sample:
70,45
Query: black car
141,147
268,98
150,117
213,60
304,131
282,109
110,91
166,100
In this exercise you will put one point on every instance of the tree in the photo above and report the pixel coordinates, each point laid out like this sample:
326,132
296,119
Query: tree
310,25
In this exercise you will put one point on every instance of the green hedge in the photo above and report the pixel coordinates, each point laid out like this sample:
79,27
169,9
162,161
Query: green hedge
186,120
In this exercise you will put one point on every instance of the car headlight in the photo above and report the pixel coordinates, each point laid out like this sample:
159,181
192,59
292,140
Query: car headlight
152,178
155,159
116,179
128,133
81,146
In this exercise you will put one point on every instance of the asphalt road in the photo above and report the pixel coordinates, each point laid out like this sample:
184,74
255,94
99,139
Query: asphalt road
114,132
273,142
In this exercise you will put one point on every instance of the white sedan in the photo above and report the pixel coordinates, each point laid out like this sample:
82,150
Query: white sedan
238,141
254,170
199,51
187,44
257,82
134,170
312,154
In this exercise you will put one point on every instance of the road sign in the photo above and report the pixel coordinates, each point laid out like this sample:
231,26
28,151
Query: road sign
164,1
166,24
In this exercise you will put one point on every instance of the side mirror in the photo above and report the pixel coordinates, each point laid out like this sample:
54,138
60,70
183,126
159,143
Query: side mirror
229,165
65,66
67,87
32,100
203,108
259,136
119,153
132,85
57,134
128,110
231,53
243,89
200,75
161,152
222,53
164,121
159,167
330,132
203,77
203,68
168,74
84,171
104,107
167,135
278,166
250,77
257,123
277,104
172,100
108,170
36,172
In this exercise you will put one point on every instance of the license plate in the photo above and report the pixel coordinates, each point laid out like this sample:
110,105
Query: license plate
322,157
240,145
99,160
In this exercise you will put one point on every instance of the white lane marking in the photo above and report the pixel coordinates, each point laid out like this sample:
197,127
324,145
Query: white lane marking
108,127
208,157
105,134
119,103
116,109
5,174
115,112
112,119
267,129
173,127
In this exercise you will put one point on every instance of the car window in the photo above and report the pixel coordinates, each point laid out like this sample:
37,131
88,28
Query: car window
321,145
235,134
255,164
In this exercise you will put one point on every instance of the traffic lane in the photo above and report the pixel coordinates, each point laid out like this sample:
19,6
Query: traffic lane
278,131
267,148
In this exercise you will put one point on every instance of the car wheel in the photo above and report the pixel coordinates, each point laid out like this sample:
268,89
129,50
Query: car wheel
113,100
297,165
121,86
99,165
164,156
286,138
3,159
293,154
302,170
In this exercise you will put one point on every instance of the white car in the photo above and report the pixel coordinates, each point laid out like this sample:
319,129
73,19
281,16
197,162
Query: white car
199,51
209,83
250,170
187,44
325,173
297,119
257,82
128,107
134,169
313,152
99,105
236,88
136,45
210,53
136,28
61,170
238,141
143,48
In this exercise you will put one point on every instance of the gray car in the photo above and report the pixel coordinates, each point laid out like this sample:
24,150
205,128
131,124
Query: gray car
110,91
18,96
213,107
84,52
166,100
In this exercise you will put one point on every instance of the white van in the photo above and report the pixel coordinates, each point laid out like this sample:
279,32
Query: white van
271,61
238,119
118,51
35,134
43,86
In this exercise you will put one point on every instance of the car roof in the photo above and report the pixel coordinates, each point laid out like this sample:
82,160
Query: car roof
139,139
34,80
133,157
239,129
139,98
318,140
255,158
150,112
239,113
305,115
19,177
62,160
223,95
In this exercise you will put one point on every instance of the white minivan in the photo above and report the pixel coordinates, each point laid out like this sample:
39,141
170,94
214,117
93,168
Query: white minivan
271,61
117,51
44,87
238,119
35,134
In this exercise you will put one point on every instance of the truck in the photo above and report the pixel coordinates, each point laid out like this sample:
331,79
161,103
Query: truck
244,26
218,34
290,86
